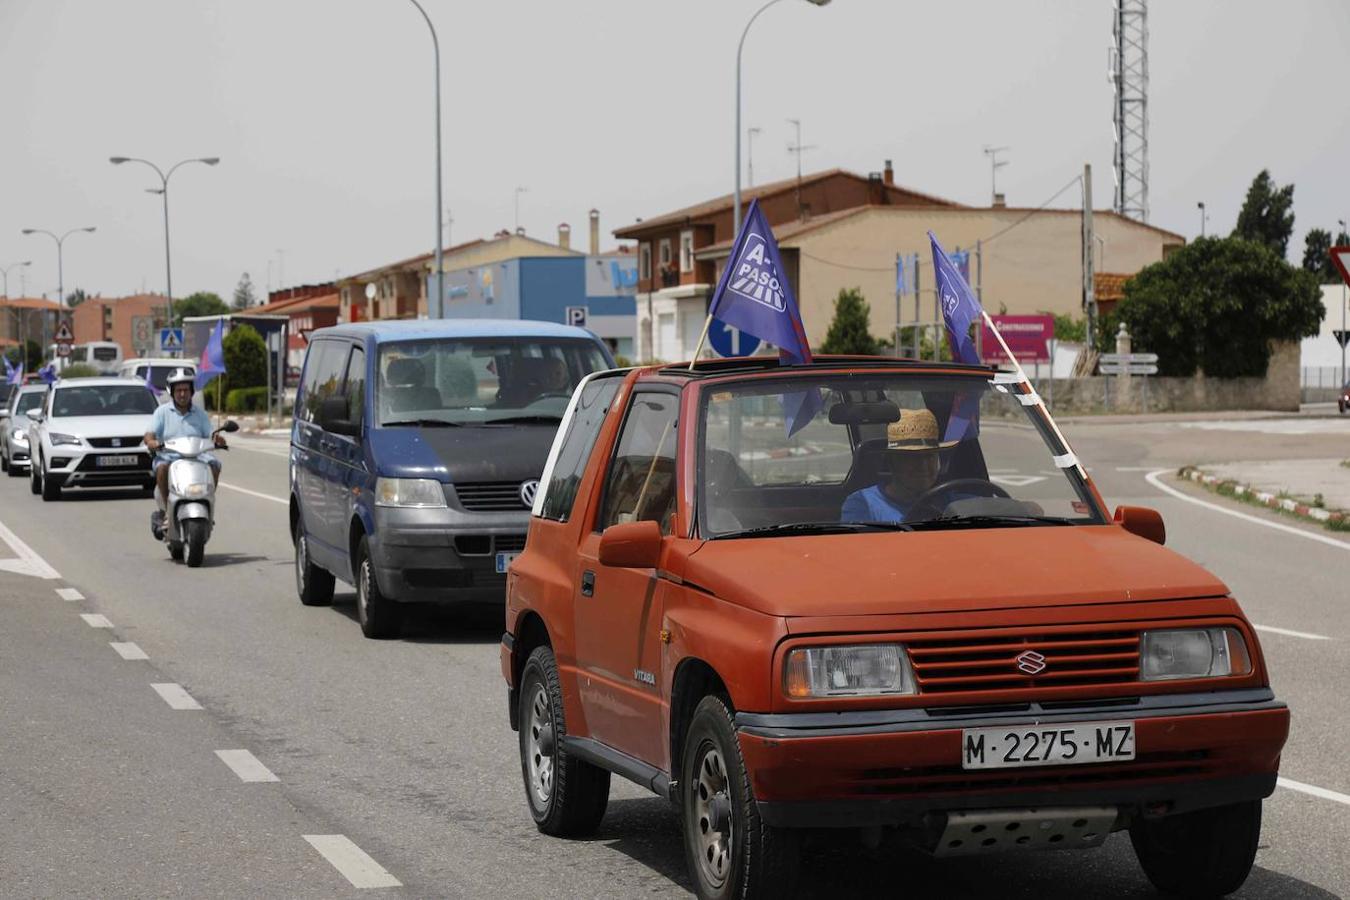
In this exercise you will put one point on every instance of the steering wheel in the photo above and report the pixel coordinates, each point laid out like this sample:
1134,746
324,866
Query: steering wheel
927,501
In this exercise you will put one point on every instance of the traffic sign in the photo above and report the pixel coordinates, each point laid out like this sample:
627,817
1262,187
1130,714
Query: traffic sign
1342,336
63,334
575,315
63,349
1341,257
1113,358
171,340
1132,368
729,341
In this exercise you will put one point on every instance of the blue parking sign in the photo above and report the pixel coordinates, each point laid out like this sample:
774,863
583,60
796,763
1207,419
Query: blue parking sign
728,340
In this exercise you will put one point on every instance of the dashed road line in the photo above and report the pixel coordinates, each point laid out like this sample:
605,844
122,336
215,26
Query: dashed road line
175,696
1152,478
128,650
353,862
28,562
69,594
1313,790
235,487
96,620
1288,633
246,765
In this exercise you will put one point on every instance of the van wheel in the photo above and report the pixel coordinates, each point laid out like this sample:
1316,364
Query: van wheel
567,796
1207,853
380,617
313,584
730,852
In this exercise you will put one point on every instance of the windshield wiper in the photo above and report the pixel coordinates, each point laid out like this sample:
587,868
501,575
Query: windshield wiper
980,521
426,423
816,528
533,419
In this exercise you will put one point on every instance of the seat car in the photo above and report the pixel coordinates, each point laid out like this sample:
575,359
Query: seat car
878,595
415,454
89,432
155,370
15,426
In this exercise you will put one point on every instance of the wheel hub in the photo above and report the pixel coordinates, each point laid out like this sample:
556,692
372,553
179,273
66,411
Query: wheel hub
540,745
712,818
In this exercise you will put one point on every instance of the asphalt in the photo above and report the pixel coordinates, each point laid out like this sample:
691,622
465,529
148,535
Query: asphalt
403,746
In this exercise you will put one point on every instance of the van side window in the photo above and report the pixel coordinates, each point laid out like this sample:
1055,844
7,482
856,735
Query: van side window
576,448
356,385
641,480
323,371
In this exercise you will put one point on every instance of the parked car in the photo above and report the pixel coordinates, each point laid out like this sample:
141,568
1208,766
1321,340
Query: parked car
15,426
89,432
915,616
155,371
416,450
1343,401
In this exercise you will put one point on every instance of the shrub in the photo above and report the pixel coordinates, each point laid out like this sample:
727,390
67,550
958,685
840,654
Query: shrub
250,399
79,370
245,357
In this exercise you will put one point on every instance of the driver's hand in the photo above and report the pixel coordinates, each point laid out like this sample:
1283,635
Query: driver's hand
220,441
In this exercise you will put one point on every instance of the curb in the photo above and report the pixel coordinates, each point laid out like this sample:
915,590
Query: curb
1332,518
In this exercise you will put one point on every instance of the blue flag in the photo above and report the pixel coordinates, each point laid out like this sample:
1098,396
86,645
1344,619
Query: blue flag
11,375
212,362
959,306
48,373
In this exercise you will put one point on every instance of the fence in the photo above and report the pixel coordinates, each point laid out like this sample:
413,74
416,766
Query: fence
1320,384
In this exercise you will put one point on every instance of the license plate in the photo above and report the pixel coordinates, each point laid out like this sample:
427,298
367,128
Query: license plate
117,460
1046,745
504,560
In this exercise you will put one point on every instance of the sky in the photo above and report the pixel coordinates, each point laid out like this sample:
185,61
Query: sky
322,114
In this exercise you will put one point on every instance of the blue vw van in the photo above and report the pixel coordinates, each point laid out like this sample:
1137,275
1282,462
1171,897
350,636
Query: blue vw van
416,452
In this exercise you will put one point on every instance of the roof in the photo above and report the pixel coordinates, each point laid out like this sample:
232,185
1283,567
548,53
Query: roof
296,304
92,381
753,364
29,303
413,329
791,230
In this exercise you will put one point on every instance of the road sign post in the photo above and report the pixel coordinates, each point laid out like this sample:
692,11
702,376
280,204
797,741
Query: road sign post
170,341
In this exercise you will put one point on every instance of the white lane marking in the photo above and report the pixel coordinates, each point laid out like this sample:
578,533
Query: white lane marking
1285,631
175,696
234,487
1152,478
96,620
1314,790
128,650
69,594
28,562
246,765
353,862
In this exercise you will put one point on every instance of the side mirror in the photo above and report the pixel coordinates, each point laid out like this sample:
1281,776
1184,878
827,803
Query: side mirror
631,545
34,414
231,426
1144,522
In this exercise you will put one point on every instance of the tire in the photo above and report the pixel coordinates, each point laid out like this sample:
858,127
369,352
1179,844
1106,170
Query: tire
730,852
34,472
313,584
379,616
567,796
194,534
51,487
4,462
176,551
15,471
1207,853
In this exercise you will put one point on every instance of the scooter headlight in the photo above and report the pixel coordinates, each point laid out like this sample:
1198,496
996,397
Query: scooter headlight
195,491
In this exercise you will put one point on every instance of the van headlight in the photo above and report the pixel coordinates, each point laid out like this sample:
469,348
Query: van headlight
850,670
418,493
1192,653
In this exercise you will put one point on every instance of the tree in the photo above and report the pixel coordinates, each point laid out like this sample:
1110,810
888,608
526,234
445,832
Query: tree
849,330
1267,215
1317,256
1216,305
30,355
75,298
245,357
202,303
243,293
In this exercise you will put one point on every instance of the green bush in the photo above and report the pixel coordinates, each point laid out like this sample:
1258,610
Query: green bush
245,358
251,399
79,370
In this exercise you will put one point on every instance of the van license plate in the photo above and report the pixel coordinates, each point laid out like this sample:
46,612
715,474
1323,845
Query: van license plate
117,461
1046,745
504,560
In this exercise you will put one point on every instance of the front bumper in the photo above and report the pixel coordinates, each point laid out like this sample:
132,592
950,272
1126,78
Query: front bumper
79,467
898,767
444,555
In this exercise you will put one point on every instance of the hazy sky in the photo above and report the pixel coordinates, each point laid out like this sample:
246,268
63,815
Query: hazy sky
321,111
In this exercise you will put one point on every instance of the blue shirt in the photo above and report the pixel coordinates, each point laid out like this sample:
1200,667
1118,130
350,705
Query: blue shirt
169,423
872,504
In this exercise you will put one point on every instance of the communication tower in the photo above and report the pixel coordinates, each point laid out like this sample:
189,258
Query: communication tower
1129,112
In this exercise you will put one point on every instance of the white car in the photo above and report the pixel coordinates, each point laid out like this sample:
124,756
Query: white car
155,370
89,432
15,425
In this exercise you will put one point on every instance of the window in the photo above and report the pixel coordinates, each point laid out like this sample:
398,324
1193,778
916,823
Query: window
103,400
323,368
665,252
645,262
356,385
686,251
575,452
641,482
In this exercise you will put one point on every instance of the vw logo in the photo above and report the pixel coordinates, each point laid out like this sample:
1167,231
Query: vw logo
1031,662
527,491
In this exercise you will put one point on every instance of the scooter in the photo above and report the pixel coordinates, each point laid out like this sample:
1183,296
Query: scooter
191,504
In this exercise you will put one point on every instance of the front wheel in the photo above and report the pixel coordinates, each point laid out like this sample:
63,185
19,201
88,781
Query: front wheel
51,487
380,617
1207,853
34,473
194,534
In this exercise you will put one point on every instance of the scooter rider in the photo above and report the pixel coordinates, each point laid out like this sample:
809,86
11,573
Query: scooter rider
172,420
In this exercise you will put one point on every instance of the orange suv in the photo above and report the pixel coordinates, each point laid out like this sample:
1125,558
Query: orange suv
873,594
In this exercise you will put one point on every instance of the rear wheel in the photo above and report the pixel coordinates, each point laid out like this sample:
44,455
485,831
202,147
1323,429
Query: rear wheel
380,617
194,532
1207,853
313,584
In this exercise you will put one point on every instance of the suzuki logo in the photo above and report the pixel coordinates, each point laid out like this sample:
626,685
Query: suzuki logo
527,491
1031,662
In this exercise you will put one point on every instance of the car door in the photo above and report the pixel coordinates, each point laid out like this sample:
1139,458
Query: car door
345,453
323,369
618,610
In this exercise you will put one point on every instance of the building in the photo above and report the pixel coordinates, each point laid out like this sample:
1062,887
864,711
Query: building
27,319
306,311
132,322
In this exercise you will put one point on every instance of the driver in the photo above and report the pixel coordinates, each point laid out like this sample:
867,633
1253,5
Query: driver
554,379
912,467
173,420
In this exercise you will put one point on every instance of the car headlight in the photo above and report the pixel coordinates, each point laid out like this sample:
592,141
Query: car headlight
59,439
20,437
852,670
1192,653
421,493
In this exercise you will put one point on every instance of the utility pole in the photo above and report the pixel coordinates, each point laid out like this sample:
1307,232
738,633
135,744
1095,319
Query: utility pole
750,154
1203,217
1089,287
994,165
449,221
1344,303
798,148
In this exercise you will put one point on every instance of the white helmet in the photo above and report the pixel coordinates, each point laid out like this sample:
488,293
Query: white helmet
180,376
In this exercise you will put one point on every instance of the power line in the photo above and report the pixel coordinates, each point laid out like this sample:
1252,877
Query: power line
1077,179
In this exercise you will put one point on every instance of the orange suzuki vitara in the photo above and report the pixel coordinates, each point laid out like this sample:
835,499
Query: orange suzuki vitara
873,594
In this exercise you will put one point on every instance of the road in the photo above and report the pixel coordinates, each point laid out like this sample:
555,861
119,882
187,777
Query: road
394,768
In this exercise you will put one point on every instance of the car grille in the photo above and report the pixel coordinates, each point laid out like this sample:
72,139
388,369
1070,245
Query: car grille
510,543
490,496
106,442
1002,662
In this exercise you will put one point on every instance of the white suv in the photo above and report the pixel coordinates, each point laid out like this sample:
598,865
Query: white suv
89,432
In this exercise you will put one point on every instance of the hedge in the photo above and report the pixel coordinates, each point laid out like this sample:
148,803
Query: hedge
252,399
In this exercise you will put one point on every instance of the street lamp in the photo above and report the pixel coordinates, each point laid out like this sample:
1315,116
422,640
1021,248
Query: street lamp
1201,207
163,191
5,272
436,311
60,272
736,198
18,314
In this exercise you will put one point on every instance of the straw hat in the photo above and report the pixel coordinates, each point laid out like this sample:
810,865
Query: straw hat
917,429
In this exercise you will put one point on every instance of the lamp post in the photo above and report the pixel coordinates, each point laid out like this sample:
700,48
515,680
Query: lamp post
18,314
1201,206
436,310
5,273
736,197
163,190
60,272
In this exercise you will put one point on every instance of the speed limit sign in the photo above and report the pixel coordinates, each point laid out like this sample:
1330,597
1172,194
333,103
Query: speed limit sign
63,348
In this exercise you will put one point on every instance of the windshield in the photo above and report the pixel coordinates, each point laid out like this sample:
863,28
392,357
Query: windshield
883,451
159,375
479,381
103,400
29,400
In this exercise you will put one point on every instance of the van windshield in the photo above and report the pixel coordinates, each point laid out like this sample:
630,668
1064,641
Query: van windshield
481,381
159,375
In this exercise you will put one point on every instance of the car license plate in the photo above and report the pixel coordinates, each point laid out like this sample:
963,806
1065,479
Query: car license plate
1046,745
117,461
504,560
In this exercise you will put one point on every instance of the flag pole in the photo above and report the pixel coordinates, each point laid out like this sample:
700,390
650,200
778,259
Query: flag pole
707,324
